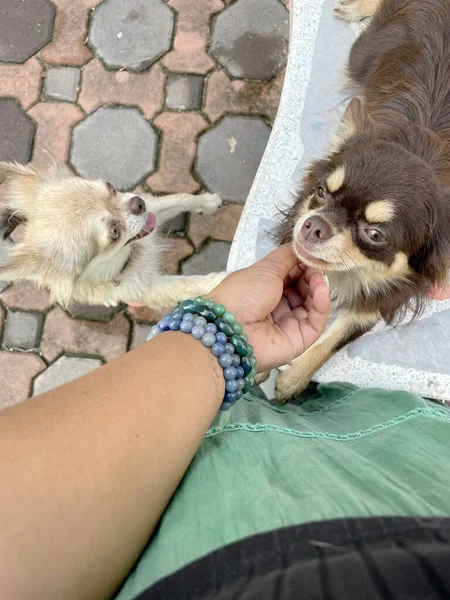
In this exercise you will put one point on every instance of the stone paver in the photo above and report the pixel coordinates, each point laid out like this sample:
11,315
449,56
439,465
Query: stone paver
130,119
2,319
22,330
189,54
100,86
226,96
212,258
22,82
131,35
237,144
63,334
178,250
184,92
25,26
249,38
61,83
140,333
65,369
93,313
16,374
17,132
54,129
69,33
180,132
116,144
24,295
220,226
144,314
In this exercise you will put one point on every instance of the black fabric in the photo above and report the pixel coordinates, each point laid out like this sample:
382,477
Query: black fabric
345,559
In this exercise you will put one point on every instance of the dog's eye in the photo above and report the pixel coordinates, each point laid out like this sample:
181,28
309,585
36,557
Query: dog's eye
375,235
321,192
111,188
114,232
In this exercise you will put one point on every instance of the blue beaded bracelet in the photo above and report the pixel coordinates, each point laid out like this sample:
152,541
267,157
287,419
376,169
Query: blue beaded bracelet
218,330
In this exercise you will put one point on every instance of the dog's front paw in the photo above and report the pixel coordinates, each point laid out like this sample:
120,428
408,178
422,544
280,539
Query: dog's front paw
207,204
289,384
355,10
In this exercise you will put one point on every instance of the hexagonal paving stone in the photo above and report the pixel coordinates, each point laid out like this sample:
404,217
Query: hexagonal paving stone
140,333
132,34
229,154
250,38
65,369
212,258
116,144
17,132
25,27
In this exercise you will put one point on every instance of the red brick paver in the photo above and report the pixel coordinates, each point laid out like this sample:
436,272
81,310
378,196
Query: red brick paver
180,130
101,86
63,333
68,46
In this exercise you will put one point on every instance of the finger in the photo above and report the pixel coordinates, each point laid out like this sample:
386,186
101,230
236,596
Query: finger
282,260
293,297
281,311
314,323
294,275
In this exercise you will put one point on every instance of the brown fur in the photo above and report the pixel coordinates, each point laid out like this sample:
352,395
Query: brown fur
394,146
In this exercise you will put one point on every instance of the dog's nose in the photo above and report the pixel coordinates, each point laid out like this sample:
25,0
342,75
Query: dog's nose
137,206
315,229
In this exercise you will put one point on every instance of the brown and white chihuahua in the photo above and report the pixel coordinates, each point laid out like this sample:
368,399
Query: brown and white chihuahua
374,214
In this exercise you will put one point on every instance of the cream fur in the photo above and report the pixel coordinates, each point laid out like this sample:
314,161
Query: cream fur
67,246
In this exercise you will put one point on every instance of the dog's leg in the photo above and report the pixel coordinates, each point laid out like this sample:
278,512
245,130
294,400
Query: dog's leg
168,207
356,10
163,293
295,377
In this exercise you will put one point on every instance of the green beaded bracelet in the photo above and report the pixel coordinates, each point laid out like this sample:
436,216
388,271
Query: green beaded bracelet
218,329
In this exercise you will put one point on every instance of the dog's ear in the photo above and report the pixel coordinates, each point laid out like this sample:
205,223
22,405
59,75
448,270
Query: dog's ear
355,121
11,171
432,263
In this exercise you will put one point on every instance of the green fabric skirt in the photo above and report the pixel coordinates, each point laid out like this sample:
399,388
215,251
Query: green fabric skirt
337,452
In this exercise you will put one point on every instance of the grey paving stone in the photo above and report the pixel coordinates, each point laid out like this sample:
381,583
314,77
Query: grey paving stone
131,34
25,27
184,92
140,333
116,144
62,371
17,132
175,225
22,330
61,83
212,258
94,313
250,38
228,155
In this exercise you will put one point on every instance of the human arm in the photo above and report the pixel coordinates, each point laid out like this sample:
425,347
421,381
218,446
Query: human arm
87,469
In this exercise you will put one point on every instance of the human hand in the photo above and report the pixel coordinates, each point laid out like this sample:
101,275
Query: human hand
283,306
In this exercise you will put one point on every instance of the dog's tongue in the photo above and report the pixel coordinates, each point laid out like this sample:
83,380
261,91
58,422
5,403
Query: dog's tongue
150,223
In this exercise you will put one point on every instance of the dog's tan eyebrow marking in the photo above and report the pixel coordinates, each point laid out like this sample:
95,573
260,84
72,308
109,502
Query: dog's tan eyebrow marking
380,211
336,180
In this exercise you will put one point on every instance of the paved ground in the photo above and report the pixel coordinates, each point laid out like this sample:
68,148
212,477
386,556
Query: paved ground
176,94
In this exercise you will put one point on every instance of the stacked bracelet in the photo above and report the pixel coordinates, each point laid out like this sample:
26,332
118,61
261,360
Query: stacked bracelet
218,330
